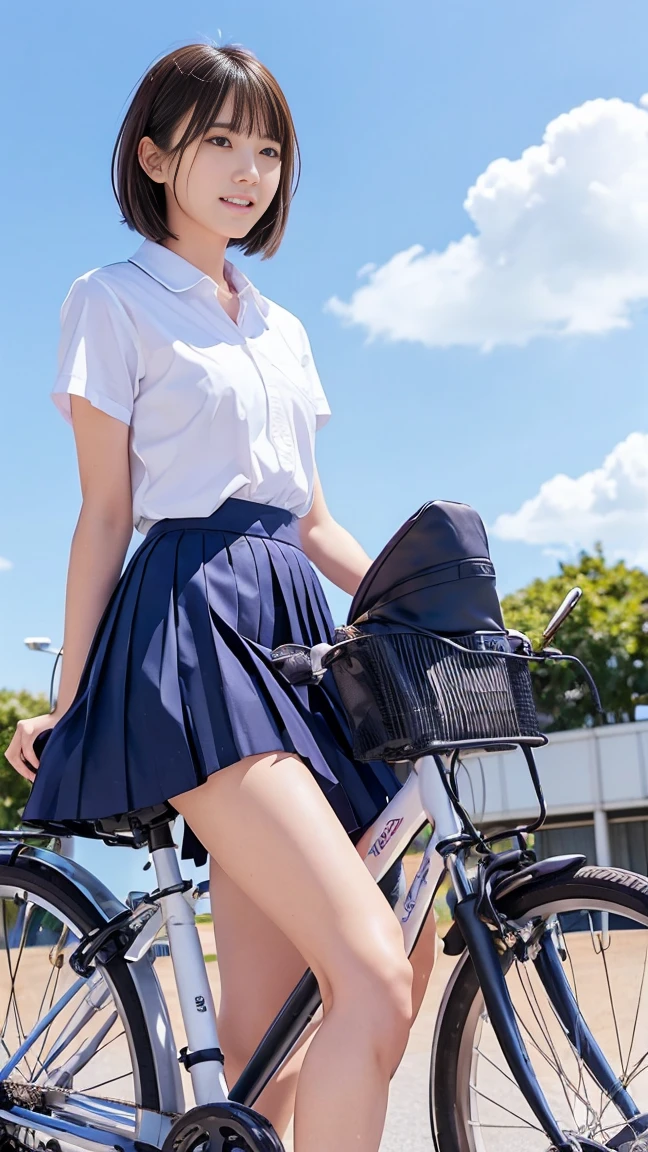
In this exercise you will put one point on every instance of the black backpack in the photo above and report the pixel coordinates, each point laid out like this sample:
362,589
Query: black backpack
424,663
435,574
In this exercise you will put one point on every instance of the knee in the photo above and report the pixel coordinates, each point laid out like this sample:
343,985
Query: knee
378,994
393,1006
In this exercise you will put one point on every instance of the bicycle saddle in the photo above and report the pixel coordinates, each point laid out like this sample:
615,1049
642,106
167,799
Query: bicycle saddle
130,829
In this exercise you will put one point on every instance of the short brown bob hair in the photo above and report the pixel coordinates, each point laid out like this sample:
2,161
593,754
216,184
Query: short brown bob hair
198,79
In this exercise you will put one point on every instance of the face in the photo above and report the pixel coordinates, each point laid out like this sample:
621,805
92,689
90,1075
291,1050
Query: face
216,167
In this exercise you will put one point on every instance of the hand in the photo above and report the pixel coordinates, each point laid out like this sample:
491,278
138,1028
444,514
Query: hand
20,752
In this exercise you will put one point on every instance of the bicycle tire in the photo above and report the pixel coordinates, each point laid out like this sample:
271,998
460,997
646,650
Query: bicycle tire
65,898
592,886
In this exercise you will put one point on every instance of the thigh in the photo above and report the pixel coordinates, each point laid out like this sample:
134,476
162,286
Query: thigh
267,823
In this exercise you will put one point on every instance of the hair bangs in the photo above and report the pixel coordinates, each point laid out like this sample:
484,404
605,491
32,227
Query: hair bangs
255,111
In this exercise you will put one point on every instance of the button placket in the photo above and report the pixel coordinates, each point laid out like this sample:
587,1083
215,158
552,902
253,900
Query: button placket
279,436
278,432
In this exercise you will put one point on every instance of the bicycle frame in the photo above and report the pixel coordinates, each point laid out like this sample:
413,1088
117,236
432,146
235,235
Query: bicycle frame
423,798
392,833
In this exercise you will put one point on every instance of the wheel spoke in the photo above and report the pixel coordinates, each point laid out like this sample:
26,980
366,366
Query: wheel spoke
56,973
565,1080
103,1083
12,1004
614,1016
587,1103
574,985
639,1067
96,995
506,1075
111,1041
503,1127
509,1112
636,1017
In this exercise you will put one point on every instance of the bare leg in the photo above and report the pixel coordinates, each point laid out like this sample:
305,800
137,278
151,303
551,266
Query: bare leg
270,828
423,954
259,967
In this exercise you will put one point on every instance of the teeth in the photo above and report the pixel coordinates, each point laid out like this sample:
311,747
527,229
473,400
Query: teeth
231,200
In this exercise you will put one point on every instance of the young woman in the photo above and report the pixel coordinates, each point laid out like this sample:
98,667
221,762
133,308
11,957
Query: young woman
194,402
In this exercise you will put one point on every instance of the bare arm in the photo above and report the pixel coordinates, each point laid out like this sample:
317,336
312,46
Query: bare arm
329,546
99,545
100,539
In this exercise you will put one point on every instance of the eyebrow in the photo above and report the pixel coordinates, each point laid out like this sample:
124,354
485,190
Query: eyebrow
222,124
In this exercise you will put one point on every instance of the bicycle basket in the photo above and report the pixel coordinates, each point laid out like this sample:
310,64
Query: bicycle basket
408,693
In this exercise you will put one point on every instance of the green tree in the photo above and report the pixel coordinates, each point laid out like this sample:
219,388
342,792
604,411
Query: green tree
608,631
14,789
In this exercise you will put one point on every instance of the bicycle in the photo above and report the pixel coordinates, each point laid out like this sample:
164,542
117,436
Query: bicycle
523,1055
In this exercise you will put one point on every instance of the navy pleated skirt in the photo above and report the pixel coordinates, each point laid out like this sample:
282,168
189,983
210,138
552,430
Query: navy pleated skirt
179,682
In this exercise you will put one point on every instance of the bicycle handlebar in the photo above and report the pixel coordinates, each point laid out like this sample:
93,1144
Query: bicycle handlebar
303,665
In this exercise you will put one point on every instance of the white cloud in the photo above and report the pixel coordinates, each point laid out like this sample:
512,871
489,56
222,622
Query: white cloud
609,504
560,244
5,565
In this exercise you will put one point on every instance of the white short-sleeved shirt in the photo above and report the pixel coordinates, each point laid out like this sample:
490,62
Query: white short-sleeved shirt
215,408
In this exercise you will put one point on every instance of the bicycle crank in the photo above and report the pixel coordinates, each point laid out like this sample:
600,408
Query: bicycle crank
222,1128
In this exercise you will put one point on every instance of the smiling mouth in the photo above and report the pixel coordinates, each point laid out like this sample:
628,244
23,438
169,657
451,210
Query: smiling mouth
235,204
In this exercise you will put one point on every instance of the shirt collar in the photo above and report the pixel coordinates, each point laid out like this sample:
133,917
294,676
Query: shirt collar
177,274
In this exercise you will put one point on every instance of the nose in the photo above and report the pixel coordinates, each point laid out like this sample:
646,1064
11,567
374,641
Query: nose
246,168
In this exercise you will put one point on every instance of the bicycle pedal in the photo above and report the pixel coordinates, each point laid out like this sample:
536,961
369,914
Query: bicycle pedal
225,1127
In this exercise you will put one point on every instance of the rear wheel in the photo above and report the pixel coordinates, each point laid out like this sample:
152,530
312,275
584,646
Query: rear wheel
599,921
93,1062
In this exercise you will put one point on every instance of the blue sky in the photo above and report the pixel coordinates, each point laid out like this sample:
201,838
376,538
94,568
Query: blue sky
475,345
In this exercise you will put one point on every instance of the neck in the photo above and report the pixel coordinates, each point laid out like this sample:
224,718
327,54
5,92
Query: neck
203,249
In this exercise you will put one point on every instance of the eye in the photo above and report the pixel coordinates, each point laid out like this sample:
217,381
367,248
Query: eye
223,139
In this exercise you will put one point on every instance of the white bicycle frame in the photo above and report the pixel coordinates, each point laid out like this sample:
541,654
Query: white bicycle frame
422,799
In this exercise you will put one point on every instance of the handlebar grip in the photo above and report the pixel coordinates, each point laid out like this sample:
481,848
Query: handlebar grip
41,741
297,668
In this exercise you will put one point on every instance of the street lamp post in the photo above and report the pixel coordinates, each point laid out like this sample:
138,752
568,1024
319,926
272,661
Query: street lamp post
44,644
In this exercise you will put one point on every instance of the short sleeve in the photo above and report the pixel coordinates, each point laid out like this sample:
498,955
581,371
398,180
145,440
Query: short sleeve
98,355
318,396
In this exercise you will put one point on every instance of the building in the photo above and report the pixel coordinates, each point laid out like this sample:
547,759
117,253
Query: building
595,781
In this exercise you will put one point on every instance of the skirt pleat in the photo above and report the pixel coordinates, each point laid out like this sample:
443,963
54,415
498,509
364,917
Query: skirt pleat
179,681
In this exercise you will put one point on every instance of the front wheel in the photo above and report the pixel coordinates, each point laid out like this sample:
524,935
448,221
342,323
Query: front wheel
598,921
